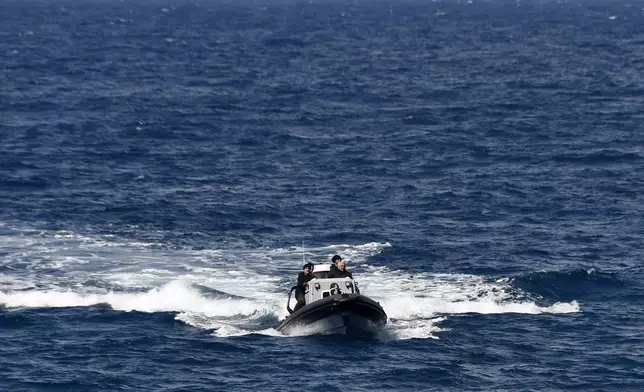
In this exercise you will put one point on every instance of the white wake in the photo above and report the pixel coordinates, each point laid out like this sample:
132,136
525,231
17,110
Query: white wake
250,286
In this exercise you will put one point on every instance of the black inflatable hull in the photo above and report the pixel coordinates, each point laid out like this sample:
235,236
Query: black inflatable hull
343,314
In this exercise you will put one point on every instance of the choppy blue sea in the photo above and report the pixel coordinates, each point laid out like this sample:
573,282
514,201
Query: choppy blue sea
165,167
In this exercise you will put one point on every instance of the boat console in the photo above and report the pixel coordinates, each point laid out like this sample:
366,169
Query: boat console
321,288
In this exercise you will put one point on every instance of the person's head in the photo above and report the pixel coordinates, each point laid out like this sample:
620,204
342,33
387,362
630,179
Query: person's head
308,268
335,259
342,265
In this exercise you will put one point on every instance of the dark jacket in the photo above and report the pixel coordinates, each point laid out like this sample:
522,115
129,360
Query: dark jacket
340,274
302,278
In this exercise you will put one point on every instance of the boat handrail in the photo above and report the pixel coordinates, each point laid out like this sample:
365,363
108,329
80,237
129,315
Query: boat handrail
288,301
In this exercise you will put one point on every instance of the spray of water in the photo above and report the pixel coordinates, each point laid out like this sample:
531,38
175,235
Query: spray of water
226,290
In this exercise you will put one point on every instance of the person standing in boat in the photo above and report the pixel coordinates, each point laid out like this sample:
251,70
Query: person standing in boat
339,268
302,279
334,265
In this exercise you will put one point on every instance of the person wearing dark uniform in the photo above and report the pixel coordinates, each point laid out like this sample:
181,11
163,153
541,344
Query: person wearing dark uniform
340,270
334,266
302,278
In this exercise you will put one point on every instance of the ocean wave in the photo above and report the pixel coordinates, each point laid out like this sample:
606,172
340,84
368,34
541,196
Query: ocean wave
599,158
581,283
